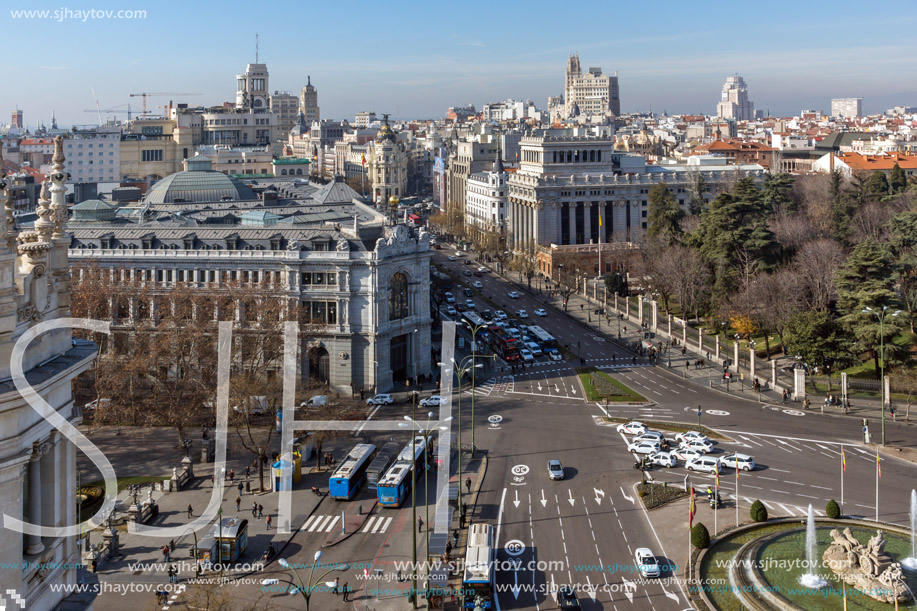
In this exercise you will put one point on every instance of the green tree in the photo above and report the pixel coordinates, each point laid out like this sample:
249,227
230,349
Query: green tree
903,243
700,536
867,279
814,335
832,510
665,214
877,184
697,185
897,181
616,282
776,193
758,512
840,208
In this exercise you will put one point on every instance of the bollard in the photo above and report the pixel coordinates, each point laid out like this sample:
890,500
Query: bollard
248,486
360,508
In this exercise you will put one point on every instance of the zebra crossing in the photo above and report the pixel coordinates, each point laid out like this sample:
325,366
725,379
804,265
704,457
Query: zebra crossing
484,389
778,509
319,523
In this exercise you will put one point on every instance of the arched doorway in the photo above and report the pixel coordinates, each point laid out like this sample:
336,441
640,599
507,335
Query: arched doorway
319,364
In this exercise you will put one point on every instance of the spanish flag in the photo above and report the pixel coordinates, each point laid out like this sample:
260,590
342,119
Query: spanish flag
600,218
843,460
879,463
717,478
363,159
691,511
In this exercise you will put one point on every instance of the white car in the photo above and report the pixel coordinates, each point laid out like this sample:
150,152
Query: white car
699,445
689,436
648,435
646,562
499,315
555,355
644,447
555,469
513,295
478,284
526,355
704,464
459,253
632,428
451,311
103,403
433,401
663,459
745,462
541,312
483,270
452,257
384,399
534,348
522,314
469,303
686,454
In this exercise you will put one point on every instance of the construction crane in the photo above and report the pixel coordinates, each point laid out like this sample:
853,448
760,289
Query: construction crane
116,109
143,96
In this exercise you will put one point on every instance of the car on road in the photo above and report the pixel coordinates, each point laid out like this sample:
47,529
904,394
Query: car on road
452,257
499,315
468,292
566,598
522,314
541,312
383,399
460,306
699,445
554,354
433,401
513,295
103,403
704,464
555,469
451,311
689,435
744,461
459,253
450,298
469,303
686,454
644,447
466,262
478,284
526,355
482,270
646,562
632,428
467,272
649,436
533,348
487,315
662,459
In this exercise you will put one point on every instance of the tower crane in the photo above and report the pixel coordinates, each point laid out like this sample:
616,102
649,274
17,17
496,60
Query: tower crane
144,94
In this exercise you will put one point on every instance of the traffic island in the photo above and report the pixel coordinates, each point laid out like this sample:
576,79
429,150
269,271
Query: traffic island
355,517
656,495
599,386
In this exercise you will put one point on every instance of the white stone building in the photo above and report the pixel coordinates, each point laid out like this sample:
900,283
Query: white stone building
734,102
847,108
94,155
592,93
485,203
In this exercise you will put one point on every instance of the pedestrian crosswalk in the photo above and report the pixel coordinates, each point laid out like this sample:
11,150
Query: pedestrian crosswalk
484,389
778,509
326,523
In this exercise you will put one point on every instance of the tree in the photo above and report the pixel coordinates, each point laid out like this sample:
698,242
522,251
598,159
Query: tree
832,510
697,186
758,512
525,262
904,379
903,244
867,280
840,208
776,194
616,282
816,264
815,336
897,182
744,326
877,184
700,536
692,289
566,275
665,215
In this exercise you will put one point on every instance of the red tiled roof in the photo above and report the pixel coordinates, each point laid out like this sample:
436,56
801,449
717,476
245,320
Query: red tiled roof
856,161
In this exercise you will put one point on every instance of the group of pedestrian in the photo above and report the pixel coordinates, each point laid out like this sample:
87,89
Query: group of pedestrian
328,458
698,364
343,590
257,510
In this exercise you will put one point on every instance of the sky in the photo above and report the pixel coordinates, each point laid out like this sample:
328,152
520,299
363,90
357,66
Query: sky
416,59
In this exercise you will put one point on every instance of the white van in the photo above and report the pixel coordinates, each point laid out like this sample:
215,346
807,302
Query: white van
514,333
704,464
317,401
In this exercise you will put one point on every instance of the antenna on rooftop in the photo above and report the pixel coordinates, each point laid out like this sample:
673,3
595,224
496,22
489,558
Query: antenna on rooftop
256,47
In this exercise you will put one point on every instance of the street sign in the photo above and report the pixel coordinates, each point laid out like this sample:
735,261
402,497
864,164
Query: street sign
520,470
514,547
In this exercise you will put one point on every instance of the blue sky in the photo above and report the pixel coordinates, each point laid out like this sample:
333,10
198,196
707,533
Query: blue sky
415,59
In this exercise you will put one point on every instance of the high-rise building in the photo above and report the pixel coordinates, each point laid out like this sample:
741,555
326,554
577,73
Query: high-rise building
94,155
848,108
16,120
308,102
734,102
590,93
252,88
364,118
285,107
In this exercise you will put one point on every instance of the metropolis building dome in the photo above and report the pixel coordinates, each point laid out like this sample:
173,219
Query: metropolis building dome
198,183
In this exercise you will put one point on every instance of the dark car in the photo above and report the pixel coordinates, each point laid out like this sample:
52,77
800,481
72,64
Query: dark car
566,598
487,315
468,292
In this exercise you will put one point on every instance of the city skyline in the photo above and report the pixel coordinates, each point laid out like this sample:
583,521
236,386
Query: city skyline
418,61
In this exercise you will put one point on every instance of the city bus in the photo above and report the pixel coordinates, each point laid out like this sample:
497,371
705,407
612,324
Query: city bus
472,320
346,479
449,441
384,459
503,346
394,486
542,337
478,580
415,220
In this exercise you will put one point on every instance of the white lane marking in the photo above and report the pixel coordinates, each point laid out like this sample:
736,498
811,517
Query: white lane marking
794,483
750,440
369,524
309,521
787,509
834,443
773,479
822,487
316,525
383,529
655,534
780,470
332,523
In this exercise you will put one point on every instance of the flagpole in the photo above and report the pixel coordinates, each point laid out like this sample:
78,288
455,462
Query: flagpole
600,243
690,525
716,505
737,494
843,468
878,475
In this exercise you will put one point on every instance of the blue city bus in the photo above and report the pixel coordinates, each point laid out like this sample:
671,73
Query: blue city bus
478,580
394,486
347,478
384,459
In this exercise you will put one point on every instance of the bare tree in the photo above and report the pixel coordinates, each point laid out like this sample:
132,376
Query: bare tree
904,379
816,264
870,222
813,193
566,275
792,231
694,283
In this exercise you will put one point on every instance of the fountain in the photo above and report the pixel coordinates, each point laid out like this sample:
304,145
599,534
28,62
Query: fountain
811,579
910,563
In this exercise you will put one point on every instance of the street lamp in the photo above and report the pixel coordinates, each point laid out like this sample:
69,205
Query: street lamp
220,522
307,591
474,333
460,370
881,317
425,432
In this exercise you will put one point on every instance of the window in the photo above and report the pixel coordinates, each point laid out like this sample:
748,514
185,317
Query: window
398,297
152,155
319,312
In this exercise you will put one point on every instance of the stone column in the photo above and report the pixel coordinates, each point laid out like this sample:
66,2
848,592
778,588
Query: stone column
655,315
751,364
717,342
571,207
735,351
774,376
35,545
587,223
627,307
669,322
640,310
700,341
684,332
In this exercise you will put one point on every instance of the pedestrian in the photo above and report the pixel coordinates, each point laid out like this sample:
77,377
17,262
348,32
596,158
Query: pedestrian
633,360
420,525
94,563
267,521
172,578
468,484
240,488
190,511
232,475
346,591
362,393
260,510
162,596
198,569
238,503
784,396
248,471
254,509
211,479
166,553
686,364
336,587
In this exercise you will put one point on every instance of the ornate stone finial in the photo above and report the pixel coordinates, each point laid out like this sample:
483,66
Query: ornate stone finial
44,226
58,191
5,229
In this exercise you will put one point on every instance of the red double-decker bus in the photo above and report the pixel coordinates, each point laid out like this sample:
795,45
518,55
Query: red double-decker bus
503,346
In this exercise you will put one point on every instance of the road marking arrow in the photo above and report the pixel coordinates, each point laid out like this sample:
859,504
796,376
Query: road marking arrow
539,387
571,497
628,592
629,498
669,594
516,587
544,502
599,495
591,590
516,502
556,389
573,390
